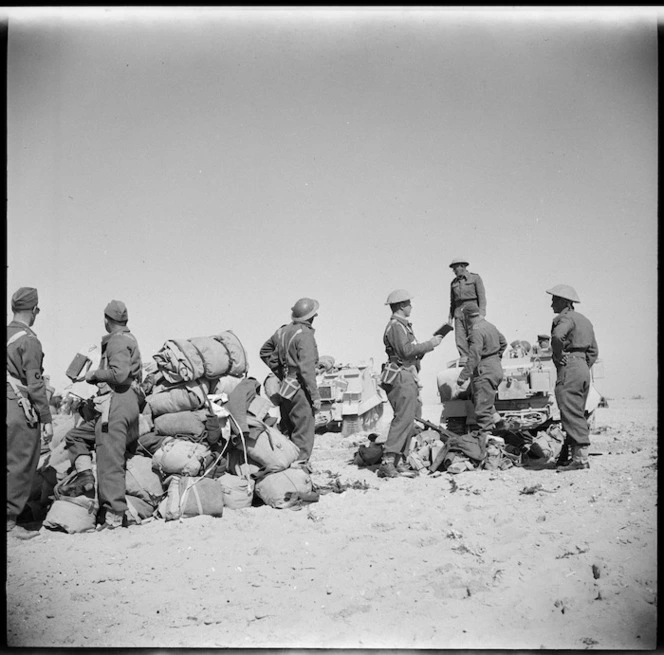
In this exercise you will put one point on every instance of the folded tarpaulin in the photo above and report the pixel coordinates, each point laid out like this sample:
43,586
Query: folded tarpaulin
179,361
187,423
186,396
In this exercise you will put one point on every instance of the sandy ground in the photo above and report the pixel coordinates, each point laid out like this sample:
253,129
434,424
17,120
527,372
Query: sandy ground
407,563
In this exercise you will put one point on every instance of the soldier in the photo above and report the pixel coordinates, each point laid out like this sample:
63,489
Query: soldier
543,345
465,287
486,347
574,352
291,354
400,381
113,430
27,405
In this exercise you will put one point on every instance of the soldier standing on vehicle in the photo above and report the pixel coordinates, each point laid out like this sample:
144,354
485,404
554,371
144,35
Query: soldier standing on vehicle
466,287
543,345
574,352
483,368
27,405
400,381
291,354
113,430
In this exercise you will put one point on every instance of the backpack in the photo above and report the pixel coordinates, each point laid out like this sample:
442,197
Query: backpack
142,482
268,447
72,515
286,488
180,457
192,496
238,491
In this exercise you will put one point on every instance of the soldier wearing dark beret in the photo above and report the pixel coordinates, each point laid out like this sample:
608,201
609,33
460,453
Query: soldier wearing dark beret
114,433
27,405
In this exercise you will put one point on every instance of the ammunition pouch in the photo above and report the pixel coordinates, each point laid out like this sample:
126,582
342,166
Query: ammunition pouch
389,373
289,387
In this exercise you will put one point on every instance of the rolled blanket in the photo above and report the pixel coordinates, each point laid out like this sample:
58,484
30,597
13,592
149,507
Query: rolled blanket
189,423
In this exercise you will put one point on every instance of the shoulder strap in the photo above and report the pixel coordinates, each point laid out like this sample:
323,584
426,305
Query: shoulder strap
16,336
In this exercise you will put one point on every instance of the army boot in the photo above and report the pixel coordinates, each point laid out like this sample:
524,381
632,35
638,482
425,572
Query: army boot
579,460
387,468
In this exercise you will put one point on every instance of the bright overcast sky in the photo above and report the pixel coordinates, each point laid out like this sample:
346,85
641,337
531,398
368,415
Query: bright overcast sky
208,167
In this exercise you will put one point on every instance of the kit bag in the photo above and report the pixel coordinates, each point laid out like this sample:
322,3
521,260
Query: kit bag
237,355
138,510
238,491
282,488
180,457
192,496
72,515
271,449
241,467
142,482
190,423
187,396
179,361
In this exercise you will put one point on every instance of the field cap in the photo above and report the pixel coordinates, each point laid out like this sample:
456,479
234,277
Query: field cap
116,310
471,309
24,298
544,336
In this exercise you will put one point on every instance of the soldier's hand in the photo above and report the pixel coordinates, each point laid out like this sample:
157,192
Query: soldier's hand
47,432
90,377
435,340
317,405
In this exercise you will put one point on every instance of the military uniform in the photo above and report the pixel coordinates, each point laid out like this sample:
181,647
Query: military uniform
467,287
486,347
402,385
574,352
25,365
291,354
116,440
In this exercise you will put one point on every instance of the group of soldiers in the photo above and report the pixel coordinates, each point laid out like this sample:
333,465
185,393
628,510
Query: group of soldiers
111,426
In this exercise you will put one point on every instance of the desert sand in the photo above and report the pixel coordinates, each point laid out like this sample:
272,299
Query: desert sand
463,561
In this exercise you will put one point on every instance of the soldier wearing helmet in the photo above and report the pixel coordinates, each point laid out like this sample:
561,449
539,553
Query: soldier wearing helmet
400,381
486,346
466,287
291,354
574,352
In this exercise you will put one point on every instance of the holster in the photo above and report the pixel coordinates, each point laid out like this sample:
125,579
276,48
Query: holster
24,403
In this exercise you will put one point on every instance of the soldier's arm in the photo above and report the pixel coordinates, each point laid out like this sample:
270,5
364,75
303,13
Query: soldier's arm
403,346
118,361
503,344
481,295
474,353
32,359
269,354
559,331
451,316
592,353
306,358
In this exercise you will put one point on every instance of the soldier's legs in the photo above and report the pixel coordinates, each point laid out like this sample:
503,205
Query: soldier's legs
485,386
572,387
23,448
302,418
461,336
406,405
80,441
285,424
113,448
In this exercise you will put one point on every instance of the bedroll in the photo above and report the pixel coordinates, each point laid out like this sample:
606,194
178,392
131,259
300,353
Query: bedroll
190,423
192,496
72,515
179,361
222,354
185,397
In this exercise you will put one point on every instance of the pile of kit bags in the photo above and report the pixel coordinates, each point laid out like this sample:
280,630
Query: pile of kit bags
207,441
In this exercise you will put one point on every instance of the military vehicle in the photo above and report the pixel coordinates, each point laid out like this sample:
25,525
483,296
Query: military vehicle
351,398
526,395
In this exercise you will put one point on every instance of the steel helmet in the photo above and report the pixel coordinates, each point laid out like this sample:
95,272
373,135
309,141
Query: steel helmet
458,260
564,291
305,308
398,295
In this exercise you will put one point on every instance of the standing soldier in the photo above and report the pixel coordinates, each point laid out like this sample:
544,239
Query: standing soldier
291,354
400,380
27,405
486,347
465,287
574,352
113,431
543,346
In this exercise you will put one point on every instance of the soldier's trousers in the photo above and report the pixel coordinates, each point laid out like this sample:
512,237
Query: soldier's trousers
298,421
486,378
113,447
23,449
461,334
404,397
572,387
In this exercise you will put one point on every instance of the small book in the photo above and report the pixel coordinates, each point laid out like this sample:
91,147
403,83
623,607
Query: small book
444,329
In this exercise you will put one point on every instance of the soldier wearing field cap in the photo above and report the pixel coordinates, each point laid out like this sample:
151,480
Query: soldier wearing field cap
486,346
113,430
400,381
291,354
27,405
543,345
574,352
466,287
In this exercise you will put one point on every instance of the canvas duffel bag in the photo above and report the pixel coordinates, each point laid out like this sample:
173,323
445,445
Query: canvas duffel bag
284,488
238,491
73,515
192,496
187,396
179,361
191,423
180,457
142,482
268,447
138,510
237,355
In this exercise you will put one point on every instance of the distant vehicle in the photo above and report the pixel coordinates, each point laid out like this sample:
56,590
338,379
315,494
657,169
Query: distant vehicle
351,399
526,397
